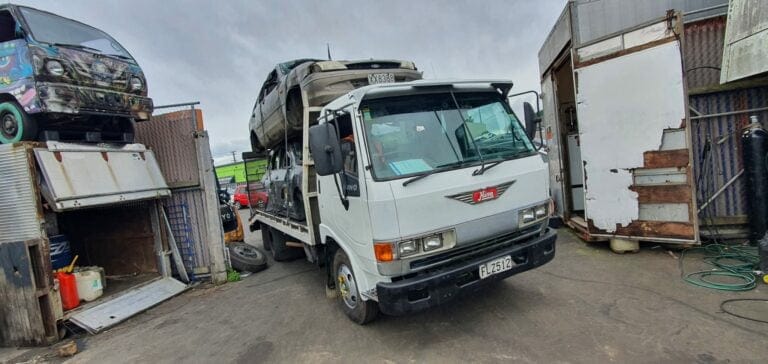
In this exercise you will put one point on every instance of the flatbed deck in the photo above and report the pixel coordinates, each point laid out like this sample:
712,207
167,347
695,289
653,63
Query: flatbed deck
296,229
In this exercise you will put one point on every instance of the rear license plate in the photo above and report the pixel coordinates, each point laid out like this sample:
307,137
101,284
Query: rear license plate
375,78
496,266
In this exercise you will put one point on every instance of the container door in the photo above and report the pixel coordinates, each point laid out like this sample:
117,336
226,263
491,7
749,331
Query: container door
635,147
78,176
552,135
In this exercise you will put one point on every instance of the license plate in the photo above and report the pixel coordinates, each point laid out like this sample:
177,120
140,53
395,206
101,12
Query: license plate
496,266
375,78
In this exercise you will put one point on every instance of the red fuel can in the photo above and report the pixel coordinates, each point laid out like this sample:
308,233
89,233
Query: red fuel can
68,290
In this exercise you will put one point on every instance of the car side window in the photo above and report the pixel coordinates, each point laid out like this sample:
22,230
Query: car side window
269,85
7,27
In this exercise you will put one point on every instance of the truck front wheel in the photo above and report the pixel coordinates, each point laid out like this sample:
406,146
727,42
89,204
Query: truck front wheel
357,309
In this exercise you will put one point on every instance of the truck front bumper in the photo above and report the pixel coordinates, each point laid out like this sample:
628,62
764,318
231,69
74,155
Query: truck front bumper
437,287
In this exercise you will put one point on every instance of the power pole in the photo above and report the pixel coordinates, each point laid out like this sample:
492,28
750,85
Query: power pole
234,158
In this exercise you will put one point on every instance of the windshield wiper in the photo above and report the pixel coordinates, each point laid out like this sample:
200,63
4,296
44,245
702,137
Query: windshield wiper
466,128
439,168
78,46
485,167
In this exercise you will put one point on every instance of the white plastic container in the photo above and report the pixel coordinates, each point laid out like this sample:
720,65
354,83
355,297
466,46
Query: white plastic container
89,285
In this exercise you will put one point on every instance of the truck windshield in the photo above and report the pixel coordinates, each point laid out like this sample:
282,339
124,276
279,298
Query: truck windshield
53,29
414,134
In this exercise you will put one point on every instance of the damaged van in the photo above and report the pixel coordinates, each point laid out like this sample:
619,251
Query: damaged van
64,80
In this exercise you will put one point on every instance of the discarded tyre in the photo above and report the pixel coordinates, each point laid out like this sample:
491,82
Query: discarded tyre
247,258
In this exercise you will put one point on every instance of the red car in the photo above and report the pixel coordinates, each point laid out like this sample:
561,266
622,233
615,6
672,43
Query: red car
258,196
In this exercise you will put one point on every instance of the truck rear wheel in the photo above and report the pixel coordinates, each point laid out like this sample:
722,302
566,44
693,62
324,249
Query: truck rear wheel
280,251
352,303
266,240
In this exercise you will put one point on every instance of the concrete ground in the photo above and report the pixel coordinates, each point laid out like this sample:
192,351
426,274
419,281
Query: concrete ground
588,305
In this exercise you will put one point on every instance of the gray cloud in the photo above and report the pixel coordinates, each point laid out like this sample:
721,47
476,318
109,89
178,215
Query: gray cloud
219,52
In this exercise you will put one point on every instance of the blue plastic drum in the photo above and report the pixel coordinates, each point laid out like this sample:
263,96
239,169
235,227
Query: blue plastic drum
61,255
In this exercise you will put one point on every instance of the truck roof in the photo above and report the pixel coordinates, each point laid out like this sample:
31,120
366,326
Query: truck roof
392,89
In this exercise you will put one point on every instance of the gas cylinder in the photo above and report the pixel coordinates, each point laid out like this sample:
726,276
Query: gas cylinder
754,143
68,290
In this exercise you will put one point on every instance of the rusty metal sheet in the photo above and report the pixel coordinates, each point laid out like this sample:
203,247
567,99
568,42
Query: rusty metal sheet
172,137
19,220
77,176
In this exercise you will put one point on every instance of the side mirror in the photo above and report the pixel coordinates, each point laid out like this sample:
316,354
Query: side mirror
326,149
531,120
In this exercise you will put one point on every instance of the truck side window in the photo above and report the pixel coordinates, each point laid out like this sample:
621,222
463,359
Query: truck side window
351,179
7,27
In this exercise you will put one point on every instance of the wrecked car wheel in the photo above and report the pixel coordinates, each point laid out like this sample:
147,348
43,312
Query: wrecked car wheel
15,124
354,306
245,257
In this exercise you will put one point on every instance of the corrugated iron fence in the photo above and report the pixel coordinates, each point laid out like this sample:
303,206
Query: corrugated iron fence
175,136
717,118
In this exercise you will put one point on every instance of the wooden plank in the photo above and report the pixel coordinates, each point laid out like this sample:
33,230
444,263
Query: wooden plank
21,322
666,158
658,229
663,193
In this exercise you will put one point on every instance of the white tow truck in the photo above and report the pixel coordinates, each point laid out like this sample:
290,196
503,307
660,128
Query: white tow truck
415,193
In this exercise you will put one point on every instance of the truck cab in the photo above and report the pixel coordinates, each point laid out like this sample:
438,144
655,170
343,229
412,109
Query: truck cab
426,190
62,79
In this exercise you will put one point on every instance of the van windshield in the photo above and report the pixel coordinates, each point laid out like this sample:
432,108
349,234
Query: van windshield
53,29
409,135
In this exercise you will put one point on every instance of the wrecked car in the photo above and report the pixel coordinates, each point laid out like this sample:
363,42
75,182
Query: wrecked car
62,79
280,105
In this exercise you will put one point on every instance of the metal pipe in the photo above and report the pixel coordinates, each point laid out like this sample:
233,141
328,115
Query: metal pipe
177,105
721,190
729,113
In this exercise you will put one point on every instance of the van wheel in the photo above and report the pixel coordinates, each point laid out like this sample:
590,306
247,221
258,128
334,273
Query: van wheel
15,124
353,305
280,251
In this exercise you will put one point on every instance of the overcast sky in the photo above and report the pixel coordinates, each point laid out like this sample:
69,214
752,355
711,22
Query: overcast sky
219,52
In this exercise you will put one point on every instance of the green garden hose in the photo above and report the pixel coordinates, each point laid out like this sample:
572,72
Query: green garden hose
734,262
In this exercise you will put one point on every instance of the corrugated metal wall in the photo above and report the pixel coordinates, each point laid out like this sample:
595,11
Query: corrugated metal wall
18,197
170,136
703,54
724,132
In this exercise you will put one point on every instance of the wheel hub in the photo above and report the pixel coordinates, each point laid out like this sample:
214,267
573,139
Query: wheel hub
347,286
10,125
246,251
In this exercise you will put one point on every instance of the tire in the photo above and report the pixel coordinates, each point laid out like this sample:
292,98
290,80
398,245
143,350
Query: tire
255,146
280,251
246,257
298,206
15,124
266,240
357,309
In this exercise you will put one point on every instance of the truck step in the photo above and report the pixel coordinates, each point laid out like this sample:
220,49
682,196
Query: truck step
312,194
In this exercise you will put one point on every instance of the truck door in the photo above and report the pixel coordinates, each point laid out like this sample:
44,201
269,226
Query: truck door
635,145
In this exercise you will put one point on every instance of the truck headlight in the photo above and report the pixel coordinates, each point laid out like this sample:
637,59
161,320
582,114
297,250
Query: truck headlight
432,242
406,248
136,84
533,214
54,67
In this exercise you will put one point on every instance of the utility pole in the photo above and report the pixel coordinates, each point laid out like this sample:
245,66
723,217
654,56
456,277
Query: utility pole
234,158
